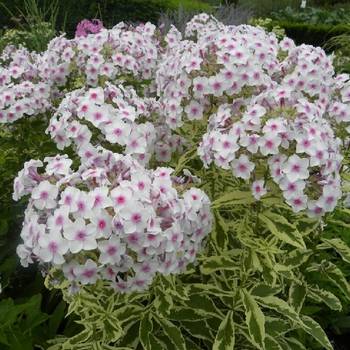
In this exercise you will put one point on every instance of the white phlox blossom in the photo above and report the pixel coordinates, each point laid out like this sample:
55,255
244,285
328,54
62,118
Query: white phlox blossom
136,222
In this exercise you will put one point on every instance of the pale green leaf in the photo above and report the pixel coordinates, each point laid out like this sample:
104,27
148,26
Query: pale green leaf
146,328
217,263
336,276
186,314
279,306
340,246
321,295
233,198
173,333
315,330
204,305
163,302
220,231
225,338
271,343
297,294
263,290
199,329
282,229
255,319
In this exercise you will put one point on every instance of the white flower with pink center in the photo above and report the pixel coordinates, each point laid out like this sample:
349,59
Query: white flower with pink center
134,217
44,195
52,247
111,251
290,189
86,273
298,202
329,198
100,198
59,219
80,236
258,189
121,196
242,167
100,224
296,168
194,110
269,143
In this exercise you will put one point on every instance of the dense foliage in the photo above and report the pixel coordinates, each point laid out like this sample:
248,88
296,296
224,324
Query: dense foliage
110,11
313,15
118,225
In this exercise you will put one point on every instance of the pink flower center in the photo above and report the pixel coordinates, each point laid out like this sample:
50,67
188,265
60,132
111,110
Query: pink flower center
226,144
330,199
296,168
44,195
88,273
136,218
59,220
81,235
297,201
121,200
111,250
242,167
117,132
269,144
53,247
102,224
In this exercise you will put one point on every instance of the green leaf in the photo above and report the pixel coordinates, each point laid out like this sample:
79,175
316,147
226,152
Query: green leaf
321,295
297,294
186,314
296,258
282,229
276,326
204,305
271,343
336,276
255,319
146,328
127,312
199,329
155,343
209,289
315,330
280,306
225,338
264,290
217,263
163,302
340,246
220,231
295,344
173,333
233,198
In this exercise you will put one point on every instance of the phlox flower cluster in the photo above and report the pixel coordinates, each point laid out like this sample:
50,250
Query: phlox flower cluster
22,99
115,221
86,27
272,113
268,105
339,108
106,55
120,115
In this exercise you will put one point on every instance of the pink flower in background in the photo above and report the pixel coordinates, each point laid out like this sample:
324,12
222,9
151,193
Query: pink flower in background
86,27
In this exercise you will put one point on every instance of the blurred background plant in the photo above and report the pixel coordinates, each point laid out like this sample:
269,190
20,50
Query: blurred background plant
341,46
35,25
